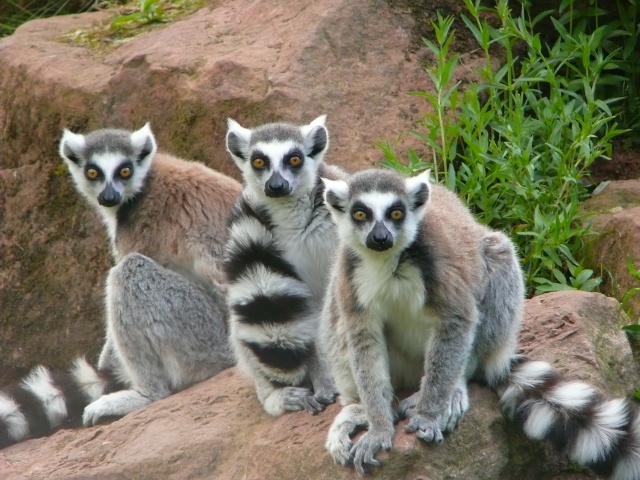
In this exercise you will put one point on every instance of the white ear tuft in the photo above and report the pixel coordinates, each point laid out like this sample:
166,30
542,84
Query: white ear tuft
143,142
237,141
335,194
318,122
422,177
71,146
242,133
316,138
418,189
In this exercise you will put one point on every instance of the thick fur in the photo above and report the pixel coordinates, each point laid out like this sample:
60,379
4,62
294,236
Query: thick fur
278,256
45,400
423,296
166,314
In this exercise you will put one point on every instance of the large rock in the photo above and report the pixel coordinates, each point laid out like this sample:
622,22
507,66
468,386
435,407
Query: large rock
254,60
217,429
616,218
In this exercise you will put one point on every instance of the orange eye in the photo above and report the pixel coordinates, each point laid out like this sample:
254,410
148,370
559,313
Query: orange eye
396,214
258,162
359,215
125,172
295,161
91,173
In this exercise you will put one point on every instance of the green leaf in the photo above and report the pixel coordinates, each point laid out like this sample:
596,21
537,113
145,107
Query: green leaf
553,287
450,181
119,21
553,256
146,5
559,276
627,296
591,284
583,276
473,28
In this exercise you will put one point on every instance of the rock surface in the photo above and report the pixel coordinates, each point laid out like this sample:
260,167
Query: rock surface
616,217
253,60
217,429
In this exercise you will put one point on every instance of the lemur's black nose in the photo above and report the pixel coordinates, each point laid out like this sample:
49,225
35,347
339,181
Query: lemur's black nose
277,186
109,197
379,238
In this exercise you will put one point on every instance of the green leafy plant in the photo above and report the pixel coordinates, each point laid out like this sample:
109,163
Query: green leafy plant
149,12
618,27
517,145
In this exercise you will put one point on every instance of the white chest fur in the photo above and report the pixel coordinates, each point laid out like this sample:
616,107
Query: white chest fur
387,289
396,296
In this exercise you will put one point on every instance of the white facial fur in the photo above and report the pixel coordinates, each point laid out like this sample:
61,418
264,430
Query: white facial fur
379,202
109,164
300,181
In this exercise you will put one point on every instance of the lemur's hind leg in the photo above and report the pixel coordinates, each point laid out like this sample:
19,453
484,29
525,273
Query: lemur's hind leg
163,334
501,310
324,390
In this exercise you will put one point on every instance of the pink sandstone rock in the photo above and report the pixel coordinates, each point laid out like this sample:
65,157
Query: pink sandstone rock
217,429
253,60
616,217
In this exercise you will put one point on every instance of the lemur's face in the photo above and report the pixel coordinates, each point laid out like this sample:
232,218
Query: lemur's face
377,211
109,166
279,160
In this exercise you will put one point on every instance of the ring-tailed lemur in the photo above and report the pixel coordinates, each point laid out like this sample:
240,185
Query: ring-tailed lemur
280,248
423,295
166,314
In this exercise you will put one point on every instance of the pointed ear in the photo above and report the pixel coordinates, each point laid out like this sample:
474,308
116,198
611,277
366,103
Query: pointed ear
316,138
143,143
418,189
71,146
335,195
238,142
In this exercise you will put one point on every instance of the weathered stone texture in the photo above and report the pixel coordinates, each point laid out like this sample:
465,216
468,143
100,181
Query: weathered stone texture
616,219
217,429
255,61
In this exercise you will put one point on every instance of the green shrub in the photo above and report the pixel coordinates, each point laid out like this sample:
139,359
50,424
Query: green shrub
618,23
518,145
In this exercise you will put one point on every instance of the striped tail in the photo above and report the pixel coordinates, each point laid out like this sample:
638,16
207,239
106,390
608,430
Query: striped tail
600,434
271,326
45,400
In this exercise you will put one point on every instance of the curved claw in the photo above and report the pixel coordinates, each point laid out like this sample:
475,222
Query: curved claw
364,450
326,396
339,447
425,428
94,412
459,406
297,398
